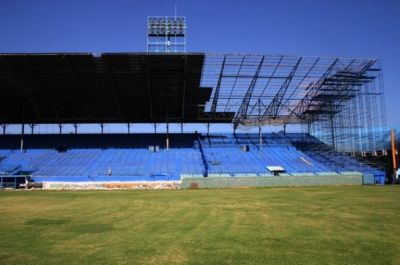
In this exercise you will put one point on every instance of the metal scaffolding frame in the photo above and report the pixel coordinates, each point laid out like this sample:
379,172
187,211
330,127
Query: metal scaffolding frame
339,100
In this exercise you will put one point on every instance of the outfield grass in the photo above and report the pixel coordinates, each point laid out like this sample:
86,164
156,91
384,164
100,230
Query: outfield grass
313,225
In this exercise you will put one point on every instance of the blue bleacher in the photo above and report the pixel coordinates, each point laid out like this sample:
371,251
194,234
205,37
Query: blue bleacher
126,157
335,160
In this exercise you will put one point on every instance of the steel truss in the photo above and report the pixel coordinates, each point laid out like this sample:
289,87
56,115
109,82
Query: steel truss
340,100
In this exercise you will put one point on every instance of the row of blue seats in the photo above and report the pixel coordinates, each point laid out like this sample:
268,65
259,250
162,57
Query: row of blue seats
83,178
97,162
224,156
325,155
296,153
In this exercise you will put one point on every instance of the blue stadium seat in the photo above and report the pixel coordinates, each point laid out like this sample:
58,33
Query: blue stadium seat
90,158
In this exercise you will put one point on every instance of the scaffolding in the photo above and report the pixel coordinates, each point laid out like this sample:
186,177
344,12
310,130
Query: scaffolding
338,100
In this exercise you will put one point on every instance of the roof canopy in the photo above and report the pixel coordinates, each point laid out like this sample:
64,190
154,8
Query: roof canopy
179,87
113,87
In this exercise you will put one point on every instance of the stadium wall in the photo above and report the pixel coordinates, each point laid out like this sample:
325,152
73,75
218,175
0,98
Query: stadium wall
306,180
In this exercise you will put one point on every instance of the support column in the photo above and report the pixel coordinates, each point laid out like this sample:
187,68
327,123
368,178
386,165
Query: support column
129,128
208,129
4,126
32,127
155,128
60,128
76,128
333,133
394,157
167,143
181,127
309,128
284,128
22,128
15,182
259,124
22,136
102,128
1,182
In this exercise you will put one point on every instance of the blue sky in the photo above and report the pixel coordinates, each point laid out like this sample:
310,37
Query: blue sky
348,28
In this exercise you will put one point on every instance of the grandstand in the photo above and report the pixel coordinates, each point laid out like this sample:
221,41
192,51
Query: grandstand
128,158
334,107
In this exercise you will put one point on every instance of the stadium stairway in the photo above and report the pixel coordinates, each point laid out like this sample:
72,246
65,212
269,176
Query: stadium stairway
335,160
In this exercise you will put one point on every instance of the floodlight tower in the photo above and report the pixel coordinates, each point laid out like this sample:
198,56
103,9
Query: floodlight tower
166,34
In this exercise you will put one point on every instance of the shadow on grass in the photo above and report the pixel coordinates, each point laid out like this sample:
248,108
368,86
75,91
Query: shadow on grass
75,228
47,222
91,228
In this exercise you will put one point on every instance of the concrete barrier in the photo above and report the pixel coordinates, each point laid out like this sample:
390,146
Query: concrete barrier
273,181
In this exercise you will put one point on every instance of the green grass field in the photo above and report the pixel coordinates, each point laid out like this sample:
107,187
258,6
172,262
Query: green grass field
309,225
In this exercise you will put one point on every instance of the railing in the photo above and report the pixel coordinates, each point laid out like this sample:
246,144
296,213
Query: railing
203,157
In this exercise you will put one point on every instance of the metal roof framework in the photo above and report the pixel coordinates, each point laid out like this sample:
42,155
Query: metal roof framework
281,89
340,100
245,89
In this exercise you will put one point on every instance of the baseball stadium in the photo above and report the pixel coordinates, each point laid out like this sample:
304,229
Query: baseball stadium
240,158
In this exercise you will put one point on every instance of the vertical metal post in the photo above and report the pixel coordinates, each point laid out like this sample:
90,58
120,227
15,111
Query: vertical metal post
284,128
208,129
60,128
181,127
4,126
259,124
76,128
333,133
129,128
22,128
167,142
1,182
22,136
102,127
394,151
15,182
32,127
155,128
